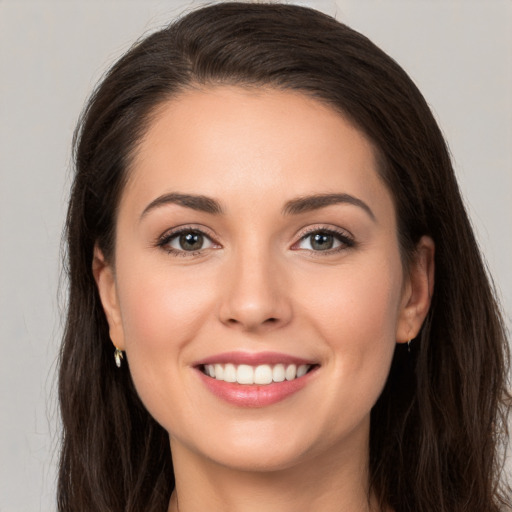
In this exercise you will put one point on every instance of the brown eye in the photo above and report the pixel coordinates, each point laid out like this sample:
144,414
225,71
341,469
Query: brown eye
321,241
191,241
187,241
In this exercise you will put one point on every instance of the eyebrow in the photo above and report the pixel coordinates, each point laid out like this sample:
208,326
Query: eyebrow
315,202
292,207
199,203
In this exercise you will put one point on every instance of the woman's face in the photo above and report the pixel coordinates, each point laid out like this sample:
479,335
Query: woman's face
256,239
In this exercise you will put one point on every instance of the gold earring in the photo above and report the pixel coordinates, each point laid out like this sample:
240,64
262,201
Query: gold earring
118,356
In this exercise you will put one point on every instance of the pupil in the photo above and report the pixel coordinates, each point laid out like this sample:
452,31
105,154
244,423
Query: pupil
191,241
322,241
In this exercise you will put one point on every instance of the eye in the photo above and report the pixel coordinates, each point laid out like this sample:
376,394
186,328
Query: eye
186,241
324,240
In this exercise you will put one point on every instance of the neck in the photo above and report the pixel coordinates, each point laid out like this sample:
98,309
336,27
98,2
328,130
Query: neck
334,484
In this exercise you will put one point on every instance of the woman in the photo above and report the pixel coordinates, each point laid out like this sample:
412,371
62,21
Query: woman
273,274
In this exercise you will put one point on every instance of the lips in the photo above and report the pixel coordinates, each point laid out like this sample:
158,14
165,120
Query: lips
254,379
253,359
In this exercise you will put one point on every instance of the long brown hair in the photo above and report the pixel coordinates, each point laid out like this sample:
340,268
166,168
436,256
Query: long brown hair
440,423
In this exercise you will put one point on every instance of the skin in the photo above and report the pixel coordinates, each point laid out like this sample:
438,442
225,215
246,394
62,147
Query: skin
259,285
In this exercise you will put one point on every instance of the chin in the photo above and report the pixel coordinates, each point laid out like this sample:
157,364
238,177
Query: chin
255,459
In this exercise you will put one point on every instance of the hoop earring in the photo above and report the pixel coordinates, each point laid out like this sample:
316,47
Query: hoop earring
118,356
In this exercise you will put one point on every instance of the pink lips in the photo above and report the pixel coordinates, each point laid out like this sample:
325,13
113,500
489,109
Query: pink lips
253,395
252,359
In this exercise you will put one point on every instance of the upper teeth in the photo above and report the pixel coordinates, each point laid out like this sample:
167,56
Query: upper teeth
262,374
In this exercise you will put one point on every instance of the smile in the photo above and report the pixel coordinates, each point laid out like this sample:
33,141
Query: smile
261,379
262,374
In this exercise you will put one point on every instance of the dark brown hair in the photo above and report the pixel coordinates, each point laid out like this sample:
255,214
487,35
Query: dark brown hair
439,425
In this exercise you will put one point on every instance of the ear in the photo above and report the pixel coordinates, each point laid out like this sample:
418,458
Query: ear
417,291
105,281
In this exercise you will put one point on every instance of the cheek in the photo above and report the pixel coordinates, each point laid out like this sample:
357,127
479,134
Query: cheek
160,310
362,298
161,313
355,311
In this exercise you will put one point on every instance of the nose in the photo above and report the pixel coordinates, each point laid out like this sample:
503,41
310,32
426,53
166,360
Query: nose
255,297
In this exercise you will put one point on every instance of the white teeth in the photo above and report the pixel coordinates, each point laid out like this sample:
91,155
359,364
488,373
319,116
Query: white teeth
278,373
245,374
301,370
290,372
219,372
230,373
263,374
260,375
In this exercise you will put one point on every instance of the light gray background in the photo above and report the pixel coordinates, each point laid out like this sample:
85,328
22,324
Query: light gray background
52,53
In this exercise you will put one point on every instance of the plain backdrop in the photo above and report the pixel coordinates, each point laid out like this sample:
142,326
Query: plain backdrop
51,55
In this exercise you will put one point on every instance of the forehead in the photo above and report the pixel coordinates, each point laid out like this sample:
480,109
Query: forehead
241,144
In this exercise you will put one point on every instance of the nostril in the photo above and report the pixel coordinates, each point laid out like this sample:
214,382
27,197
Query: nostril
237,323
271,320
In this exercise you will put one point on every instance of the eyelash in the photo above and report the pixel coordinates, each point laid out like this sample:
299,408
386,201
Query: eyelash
346,240
164,241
